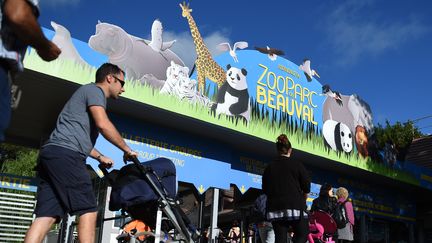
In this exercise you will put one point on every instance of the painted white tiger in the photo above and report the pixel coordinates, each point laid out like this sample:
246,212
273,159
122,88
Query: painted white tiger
174,73
187,90
180,85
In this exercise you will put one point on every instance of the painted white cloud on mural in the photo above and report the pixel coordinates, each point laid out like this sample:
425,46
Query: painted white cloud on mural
185,47
353,30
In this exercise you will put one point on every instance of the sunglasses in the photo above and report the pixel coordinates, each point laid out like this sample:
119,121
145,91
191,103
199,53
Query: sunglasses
122,82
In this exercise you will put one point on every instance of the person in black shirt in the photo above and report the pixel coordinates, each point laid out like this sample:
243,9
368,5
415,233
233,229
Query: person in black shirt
286,183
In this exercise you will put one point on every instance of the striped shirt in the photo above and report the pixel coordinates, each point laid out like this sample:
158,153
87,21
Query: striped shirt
286,214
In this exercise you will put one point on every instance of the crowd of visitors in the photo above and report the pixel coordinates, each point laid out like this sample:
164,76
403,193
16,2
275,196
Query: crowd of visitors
284,215
280,214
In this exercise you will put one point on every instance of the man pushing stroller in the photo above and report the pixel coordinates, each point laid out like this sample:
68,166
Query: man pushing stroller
65,186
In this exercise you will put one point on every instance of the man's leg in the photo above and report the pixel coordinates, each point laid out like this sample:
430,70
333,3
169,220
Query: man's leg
87,227
38,230
48,207
301,230
280,228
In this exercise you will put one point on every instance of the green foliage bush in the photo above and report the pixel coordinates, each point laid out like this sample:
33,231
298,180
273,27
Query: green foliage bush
18,160
400,134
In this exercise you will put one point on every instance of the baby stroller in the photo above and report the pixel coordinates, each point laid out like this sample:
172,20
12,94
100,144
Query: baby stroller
144,191
322,227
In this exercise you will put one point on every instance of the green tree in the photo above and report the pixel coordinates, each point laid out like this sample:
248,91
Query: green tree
400,134
17,160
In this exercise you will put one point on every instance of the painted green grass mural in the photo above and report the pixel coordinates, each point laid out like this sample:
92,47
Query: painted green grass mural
302,137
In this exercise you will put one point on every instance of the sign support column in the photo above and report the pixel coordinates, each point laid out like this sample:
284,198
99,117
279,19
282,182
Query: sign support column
214,216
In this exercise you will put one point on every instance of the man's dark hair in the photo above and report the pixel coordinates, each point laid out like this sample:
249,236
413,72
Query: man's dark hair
105,70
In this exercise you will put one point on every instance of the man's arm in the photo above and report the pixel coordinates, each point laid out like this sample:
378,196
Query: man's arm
106,162
107,129
24,24
109,132
95,154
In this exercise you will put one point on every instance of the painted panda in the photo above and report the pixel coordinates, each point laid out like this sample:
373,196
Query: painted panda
338,136
233,97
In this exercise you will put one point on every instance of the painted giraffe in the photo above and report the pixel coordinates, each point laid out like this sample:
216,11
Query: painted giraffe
205,65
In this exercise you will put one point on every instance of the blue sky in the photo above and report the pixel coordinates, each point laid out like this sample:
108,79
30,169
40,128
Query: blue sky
377,49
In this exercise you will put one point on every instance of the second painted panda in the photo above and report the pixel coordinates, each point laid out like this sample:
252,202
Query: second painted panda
233,96
337,136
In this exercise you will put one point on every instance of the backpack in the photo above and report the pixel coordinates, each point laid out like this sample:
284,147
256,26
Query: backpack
340,215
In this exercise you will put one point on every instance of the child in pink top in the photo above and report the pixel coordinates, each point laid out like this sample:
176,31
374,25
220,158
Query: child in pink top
346,234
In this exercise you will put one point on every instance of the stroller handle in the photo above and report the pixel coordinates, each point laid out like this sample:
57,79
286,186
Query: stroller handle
110,179
104,170
136,161
106,174
144,169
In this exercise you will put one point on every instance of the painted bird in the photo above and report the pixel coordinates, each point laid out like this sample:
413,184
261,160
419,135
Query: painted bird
157,43
332,94
309,73
227,47
271,52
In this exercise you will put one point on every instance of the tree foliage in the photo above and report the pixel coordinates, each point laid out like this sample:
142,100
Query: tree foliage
17,160
400,134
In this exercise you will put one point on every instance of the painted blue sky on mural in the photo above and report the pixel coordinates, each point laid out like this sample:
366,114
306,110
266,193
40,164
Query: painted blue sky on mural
379,50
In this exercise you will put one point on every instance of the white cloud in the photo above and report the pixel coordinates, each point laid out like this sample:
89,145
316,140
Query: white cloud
185,47
57,3
354,31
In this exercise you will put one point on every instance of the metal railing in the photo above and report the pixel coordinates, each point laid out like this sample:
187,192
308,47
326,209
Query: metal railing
16,215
